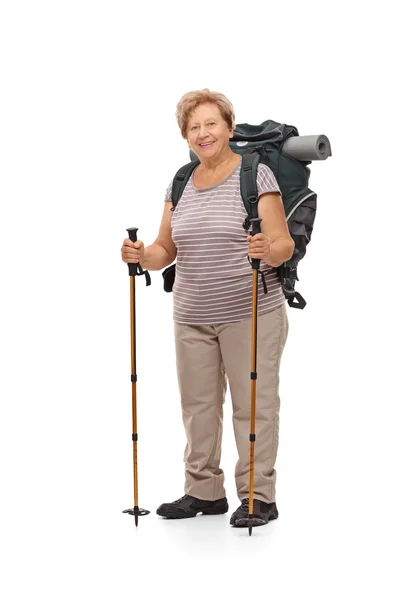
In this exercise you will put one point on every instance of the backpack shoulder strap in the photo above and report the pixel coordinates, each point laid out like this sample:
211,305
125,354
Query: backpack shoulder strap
248,182
180,180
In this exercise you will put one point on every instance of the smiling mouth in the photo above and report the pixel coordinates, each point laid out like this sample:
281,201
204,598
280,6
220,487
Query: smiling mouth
206,144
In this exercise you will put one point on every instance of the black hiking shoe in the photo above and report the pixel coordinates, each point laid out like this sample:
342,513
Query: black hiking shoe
262,513
189,506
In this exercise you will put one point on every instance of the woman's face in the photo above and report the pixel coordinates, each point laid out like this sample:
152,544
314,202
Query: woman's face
208,133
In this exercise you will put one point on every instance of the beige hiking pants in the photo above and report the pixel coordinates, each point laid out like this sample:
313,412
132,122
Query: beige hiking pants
207,356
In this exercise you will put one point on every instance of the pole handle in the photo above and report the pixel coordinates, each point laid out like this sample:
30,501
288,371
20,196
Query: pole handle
255,228
132,231
134,268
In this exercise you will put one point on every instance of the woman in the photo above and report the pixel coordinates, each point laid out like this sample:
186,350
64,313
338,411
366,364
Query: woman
212,311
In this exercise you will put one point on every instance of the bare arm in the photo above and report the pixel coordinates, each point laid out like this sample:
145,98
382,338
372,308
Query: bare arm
274,226
157,256
162,252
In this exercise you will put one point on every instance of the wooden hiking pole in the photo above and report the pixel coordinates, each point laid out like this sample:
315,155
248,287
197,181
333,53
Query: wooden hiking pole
135,270
255,264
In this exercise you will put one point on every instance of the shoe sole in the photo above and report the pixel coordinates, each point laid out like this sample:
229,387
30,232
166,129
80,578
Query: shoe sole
177,514
255,523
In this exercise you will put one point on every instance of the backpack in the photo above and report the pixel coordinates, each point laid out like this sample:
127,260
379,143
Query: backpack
263,143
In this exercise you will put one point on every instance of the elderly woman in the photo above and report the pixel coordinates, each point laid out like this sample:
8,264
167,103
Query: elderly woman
212,312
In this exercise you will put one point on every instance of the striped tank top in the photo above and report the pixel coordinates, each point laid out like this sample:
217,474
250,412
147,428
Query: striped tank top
213,281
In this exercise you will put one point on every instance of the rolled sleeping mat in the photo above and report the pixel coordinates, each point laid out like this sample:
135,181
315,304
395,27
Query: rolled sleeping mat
301,147
308,147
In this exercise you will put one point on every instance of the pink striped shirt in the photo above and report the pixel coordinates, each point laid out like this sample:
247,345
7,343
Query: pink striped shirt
213,282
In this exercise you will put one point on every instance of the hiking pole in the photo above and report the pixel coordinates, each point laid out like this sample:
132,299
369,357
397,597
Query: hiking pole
255,264
135,270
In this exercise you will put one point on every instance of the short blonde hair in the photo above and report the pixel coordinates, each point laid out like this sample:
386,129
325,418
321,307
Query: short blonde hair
191,100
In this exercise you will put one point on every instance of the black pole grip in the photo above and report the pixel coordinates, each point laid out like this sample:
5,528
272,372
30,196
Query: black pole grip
132,231
255,228
133,267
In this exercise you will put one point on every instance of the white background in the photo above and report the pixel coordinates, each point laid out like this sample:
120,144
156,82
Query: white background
89,144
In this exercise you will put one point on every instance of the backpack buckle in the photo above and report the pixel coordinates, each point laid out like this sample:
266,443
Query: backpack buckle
288,275
288,272
252,199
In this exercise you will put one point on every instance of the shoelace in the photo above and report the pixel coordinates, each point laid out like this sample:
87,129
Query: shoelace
180,499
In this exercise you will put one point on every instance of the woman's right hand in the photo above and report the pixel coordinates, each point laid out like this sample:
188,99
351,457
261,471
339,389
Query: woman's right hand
132,252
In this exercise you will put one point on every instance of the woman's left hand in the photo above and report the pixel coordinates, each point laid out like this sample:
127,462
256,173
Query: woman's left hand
259,246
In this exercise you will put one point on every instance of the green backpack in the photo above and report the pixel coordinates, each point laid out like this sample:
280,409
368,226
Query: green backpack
263,143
